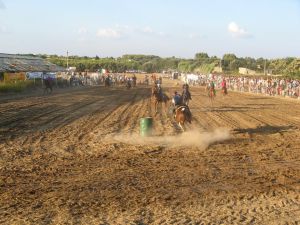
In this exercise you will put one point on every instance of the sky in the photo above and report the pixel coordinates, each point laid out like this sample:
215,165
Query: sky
180,28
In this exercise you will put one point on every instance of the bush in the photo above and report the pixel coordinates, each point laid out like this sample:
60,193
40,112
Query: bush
17,86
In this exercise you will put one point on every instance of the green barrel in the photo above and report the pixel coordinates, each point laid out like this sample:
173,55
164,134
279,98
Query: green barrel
146,125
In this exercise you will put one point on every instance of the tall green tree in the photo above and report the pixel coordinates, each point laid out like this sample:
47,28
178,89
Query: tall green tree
201,55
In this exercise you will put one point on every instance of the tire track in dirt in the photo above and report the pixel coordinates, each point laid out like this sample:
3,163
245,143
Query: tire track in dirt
131,116
121,115
282,119
87,122
234,119
58,116
124,115
165,124
46,101
205,117
94,123
140,112
38,101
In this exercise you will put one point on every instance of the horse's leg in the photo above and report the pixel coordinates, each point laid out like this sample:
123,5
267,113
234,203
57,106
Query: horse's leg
166,107
161,106
181,126
211,100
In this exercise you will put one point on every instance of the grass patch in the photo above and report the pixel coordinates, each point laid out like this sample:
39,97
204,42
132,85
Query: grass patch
18,86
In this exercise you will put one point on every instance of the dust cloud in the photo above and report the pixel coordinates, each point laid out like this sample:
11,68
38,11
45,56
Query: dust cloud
192,138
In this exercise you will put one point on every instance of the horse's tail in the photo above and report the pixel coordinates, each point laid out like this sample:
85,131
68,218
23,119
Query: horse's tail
187,113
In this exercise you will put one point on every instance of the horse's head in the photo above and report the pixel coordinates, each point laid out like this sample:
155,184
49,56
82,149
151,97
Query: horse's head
155,90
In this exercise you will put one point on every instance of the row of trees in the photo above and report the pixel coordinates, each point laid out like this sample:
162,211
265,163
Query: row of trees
202,63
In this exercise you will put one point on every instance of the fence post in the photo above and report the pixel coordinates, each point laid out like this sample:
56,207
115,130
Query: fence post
42,80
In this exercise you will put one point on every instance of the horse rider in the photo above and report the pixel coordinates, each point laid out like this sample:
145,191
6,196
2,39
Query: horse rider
185,86
211,88
160,80
146,79
186,92
177,99
48,84
224,86
134,80
107,81
128,83
177,102
159,90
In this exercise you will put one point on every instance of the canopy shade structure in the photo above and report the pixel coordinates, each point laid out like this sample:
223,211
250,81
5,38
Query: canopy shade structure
20,63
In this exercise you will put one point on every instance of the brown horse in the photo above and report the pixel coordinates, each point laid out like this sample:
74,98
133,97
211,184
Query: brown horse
153,78
182,114
158,97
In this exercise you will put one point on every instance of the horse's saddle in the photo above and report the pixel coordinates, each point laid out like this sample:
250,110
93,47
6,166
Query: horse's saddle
182,108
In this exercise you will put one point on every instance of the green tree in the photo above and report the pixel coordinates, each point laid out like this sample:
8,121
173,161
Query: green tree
149,67
227,58
201,56
81,67
185,66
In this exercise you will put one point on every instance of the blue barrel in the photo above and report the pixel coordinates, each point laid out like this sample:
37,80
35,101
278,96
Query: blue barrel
146,126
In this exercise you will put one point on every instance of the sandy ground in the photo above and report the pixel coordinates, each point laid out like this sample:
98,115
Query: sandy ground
76,157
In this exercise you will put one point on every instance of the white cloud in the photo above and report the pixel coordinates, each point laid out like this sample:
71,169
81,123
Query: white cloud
160,33
109,33
2,6
3,30
237,31
194,36
82,30
120,31
122,27
149,31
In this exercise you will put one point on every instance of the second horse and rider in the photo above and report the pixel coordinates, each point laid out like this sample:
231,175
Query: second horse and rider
178,100
182,100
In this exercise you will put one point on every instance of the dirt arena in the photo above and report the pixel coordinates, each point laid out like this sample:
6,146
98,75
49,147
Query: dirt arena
76,157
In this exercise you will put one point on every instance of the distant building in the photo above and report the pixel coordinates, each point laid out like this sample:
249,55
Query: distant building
245,71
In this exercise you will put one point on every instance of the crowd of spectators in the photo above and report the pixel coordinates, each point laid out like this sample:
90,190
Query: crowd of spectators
272,86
